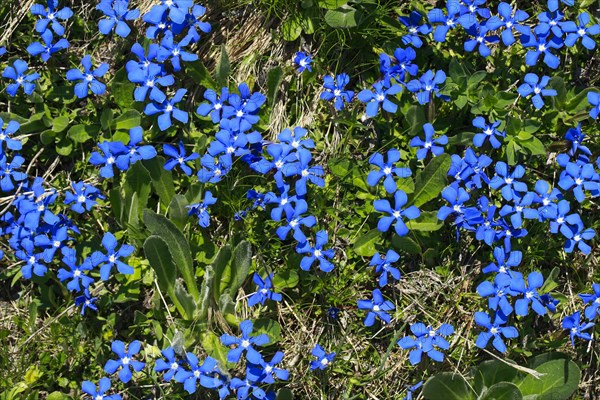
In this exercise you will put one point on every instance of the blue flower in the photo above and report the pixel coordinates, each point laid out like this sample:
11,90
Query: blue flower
551,20
213,168
495,330
594,100
242,109
9,173
505,260
576,137
112,257
576,32
488,132
248,389
410,391
5,135
193,21
144,60
519,209
547,198
472,7
562,209
283,201
201,209
426,340
295,138
577,178
576,327
383,266
553,4
50,16
576,234
48,48
244,343
32,260
593,300
334,90
549,302
170,50
169,363
542,44
413,23
536,86
305,171
436,146
480,39
498,293
89,78
387,170
215,107
117,13
264,372
377,308
178,157
295,220
323,358
511,22
197,372
507,180
78,279
167,108
125,361
316,253
175,9
303,61
396,213
535,280
54,239
103,386
400,67
149,78
86,301
428,83
450,21
135,153
263,292
17,73
110,152
379,98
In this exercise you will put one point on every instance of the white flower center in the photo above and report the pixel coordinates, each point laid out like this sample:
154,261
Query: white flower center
20,80
279,164
110,160
581,32
264,291
317,253
428,88
380,97
51,16
89,77
99,397
324,361
169,108
427,145
376,308
245,343
230,150
56,243
150,83
218,172
574,329
480,39
432,333
268,369
283,202
387,170
560,220
546,201
396,214
519,208
32,260
577,238
174,365
295,144
578,181
239,114
81,199
125,360
494,330
529,294
337,92
537,90
509,24
112,258
197,374
175,52
76,273
303,63
508,181
218,106
169,3
542,47
488,131
304,172
450,22
40,208
457,208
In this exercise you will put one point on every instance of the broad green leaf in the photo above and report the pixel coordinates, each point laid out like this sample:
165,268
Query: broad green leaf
559,381
365,245
406,244
427,222
178,246
220,264
415,116
234,276
227,308
291,29
476,78
177,212
534,146
340,167
430,182
269,327
200,74
129,119
285,394
61,123
106,118
137,181
64,147
116,202
205,293
447,386
214,348
184,298
332,4
162,180
58,396
223,67
502,391
540,359
274,79
286,279
342,17
122,90
490,372
81,133
579,102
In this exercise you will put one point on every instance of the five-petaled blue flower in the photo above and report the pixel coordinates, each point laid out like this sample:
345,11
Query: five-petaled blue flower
377,307
594,100
167,108
387,170
6,133
428,83
396,213
50,16
379,97
198,372
495,330
535,280
117,13
178,157
170,364
303,62
100,394
581,31
46,49
576,327
488,132
316,252
415,28
536,86
383,266
16,72
435,146
593,300
112,257
201,209
125,361
323,358
538,39
425,341
77,274
264,290
334,90
244,343
89,78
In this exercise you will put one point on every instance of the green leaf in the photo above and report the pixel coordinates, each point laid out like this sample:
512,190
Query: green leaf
405,243
200,74
223,67
447,386
332,4
365,245
184,298
137,181
430,182
269,327
81,133
502,391
177,212
286,279
579,102
291,29
415,116
178,246
106,118
559,381
162,180
284,394
61,123
534,146
342,17
427,222
476,78
227,308
214,348
206,292
58,396
540,359
274,79
122,90
490,372
237,270
219,265
64,147
116,203
129,119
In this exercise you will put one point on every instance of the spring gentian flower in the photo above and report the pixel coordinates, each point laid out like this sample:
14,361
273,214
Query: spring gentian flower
576,327
295,220
48,48
242,109
244,343
316,253
17,73
170,50
125,361
169,363
426,340
150,79
302,62
178,157
436,146
283,202
89,78
578,177
488,132
112,257
542,45
85,301
511,22
50,16
551,20
427,84
480,38
377,308
402,66
201,209
334,90
581,31
495,330
108,158
383,266
177,11
248,389
33,261
576,234
197,372
593,300
103,385
378,97
498,293
6,133
410,391
295,138
507,180
144,60
536,86
9,173
215,107
117,13
134,152
594,100
78,279
167,108
535,280
450,21
387,170
413,23
519,209
265,371
547,198
306,172
323,358
396,213
456,197
264,290
195,24
505,260
576,137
